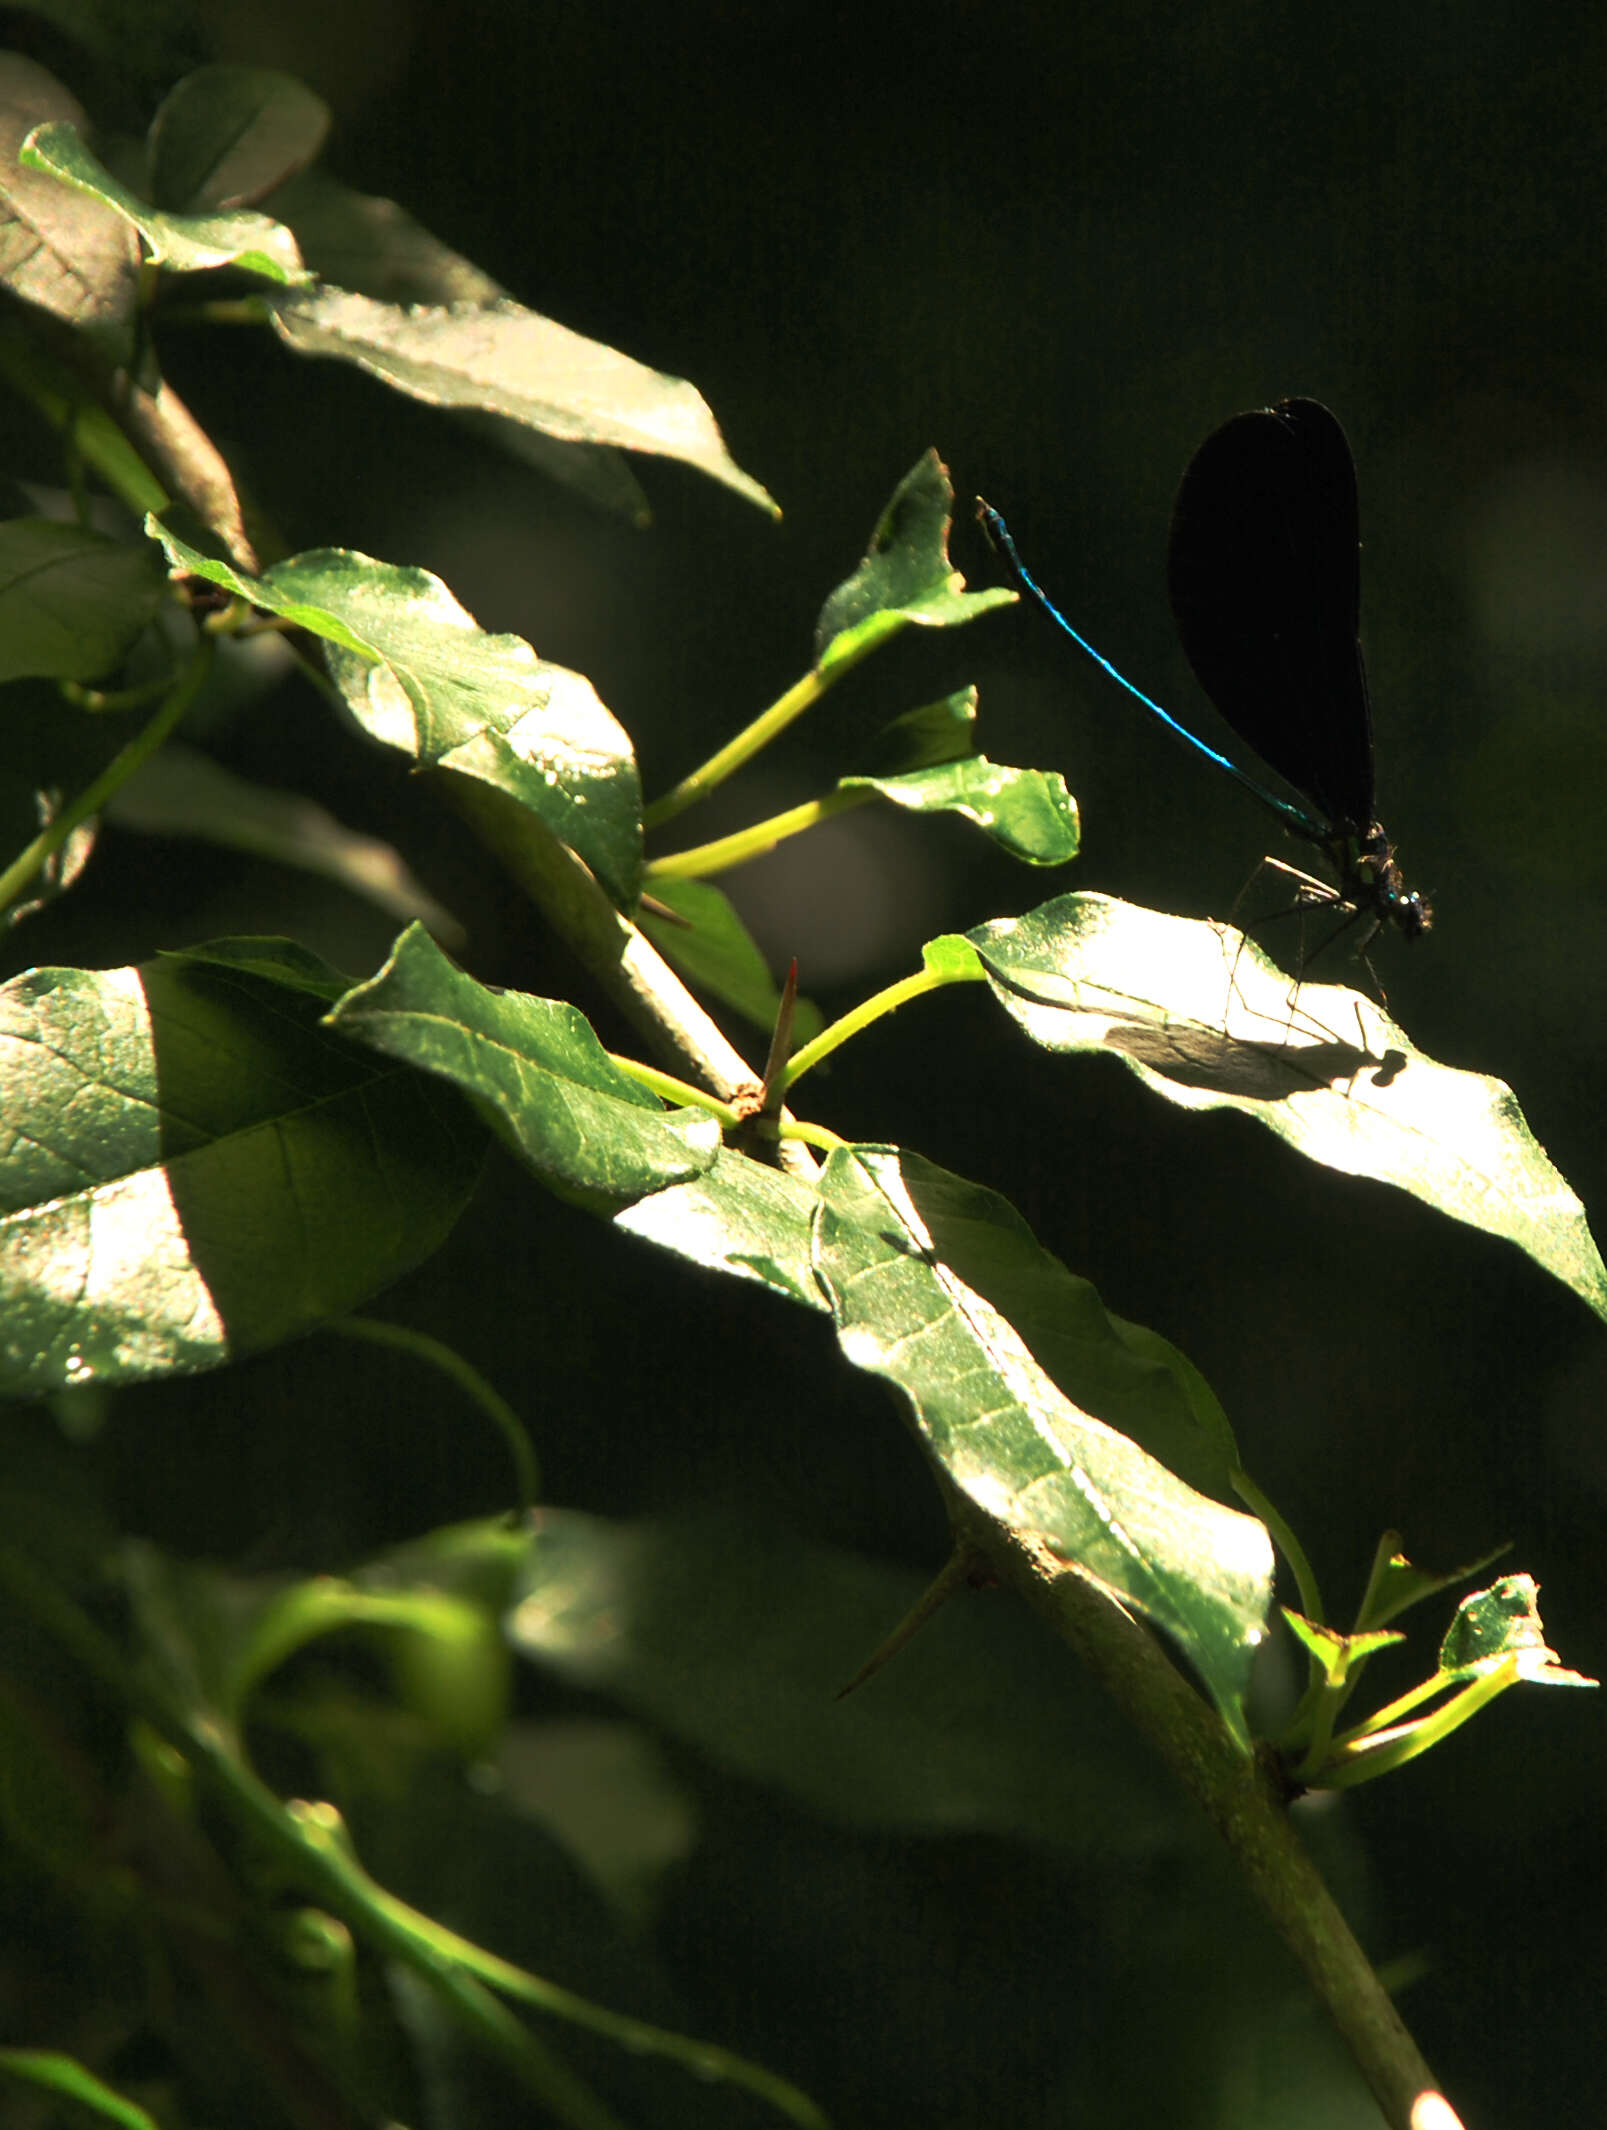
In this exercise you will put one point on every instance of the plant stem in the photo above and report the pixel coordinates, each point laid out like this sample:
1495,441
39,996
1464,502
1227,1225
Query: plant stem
863,1015
113,777
312,1843
704,859
801,696
681,1092
1244,1801
402,1338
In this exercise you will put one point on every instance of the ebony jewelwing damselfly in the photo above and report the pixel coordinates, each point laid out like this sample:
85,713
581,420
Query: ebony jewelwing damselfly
1264,574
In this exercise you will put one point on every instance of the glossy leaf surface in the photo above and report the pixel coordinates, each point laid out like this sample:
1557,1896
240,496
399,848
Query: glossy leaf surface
191,1168
1208,1022
1075,1494
906,577
537,1070
420,676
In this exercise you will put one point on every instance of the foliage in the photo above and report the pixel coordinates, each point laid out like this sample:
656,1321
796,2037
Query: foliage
252,1799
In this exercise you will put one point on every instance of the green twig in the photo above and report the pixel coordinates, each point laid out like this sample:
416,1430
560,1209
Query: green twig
801,696
705,859
403,1339
681,1092
865,1014
30,862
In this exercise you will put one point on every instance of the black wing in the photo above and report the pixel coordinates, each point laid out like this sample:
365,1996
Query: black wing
1265,581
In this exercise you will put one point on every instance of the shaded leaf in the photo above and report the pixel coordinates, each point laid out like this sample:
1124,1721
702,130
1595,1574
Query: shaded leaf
906,576
537,1070
371,246
72,601
1207,1021
191,1168
739,1217
65,254
944,731
185,243
735,1643
183,792
375,248
716,951
1397,1583
503,359
422,677
1075,1494
225,136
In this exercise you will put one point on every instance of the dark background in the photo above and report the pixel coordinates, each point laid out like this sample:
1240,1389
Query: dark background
1061,244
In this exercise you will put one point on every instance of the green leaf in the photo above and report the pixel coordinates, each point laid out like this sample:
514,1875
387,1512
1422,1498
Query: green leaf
1208,1022
1079,1497
739,1217
1396,1583
735,1641
354,240
944,731
191,1168
420,676
183,792
1027,812
48,2071
906,576
716,951
1131,1379
186,243
1501,1622
225,136
537,1070
1337,1655
72,601
59,251
503,359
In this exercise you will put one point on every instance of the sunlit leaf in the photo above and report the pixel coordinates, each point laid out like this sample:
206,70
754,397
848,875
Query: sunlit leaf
739,1217
191,1168
505,360
906,576
1079,1497
185,242
419,675
1207,1021
1501,1622
537,1070
1027,812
